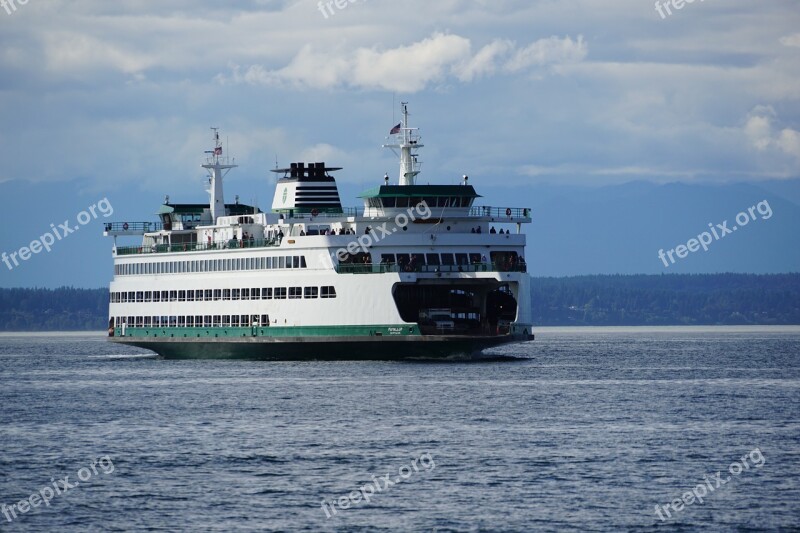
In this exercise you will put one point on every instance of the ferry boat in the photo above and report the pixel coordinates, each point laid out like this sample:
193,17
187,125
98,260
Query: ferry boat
419,271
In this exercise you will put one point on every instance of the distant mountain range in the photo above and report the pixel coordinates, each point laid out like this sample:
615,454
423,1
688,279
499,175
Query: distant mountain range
712,299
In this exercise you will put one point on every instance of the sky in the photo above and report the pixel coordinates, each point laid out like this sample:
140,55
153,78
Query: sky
114,100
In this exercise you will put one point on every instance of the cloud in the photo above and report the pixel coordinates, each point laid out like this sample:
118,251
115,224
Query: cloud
791,40
762,134
410,68
547,52
484,63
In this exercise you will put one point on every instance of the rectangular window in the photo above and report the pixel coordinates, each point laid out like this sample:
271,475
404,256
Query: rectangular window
475,259
148,321
296,261
311,292
432,259
139,296
156,296
289,261
266,293
235,294
217,294
328,292
245,320
198,321
208,295
207,321
462,259
280,293
181,296
217,321
255,294
131,296
173,296
181,321
190,321
226,321
148,296
303,262
235,321
226,294
281,262
448,259
190,295
245,294
295,293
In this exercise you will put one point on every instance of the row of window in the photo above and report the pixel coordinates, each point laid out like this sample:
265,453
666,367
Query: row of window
213,295
431,201
211,265
195,321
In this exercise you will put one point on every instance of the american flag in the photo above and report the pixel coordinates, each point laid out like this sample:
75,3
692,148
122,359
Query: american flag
396,129
218,150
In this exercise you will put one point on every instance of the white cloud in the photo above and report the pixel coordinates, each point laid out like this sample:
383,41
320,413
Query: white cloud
484,63
410,68
763,135
547,52
791,40
70,52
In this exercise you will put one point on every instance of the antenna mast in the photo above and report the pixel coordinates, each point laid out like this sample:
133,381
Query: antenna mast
407,140
218,167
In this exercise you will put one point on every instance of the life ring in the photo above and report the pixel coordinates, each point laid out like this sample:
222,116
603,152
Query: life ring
314,212
508,212
125,226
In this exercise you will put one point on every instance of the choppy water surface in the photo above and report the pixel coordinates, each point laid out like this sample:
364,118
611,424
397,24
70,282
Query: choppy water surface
588,430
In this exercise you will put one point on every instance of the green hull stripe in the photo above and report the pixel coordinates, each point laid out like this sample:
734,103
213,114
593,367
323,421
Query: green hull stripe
272,331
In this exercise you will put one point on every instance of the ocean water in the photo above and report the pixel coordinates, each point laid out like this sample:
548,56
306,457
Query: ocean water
585,430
